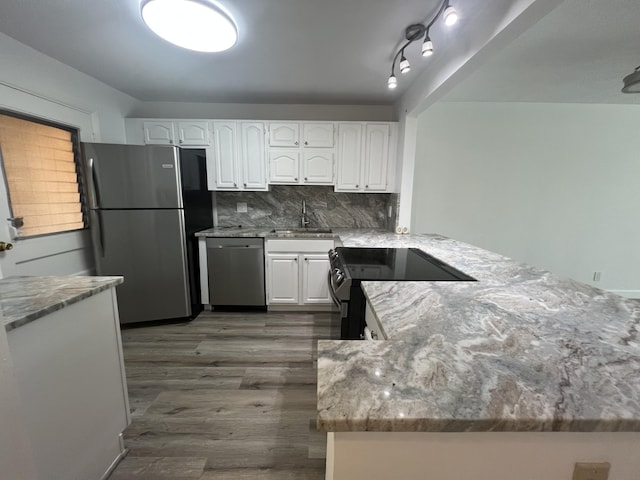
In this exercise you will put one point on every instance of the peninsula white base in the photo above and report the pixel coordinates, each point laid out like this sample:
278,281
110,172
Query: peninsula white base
478,456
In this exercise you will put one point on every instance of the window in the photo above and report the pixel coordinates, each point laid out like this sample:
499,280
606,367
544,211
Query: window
41,171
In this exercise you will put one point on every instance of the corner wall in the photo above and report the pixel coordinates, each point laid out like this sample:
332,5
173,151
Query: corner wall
553,185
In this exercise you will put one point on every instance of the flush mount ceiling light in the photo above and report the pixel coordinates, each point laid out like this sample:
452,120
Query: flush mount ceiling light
632,82
417,31
192,24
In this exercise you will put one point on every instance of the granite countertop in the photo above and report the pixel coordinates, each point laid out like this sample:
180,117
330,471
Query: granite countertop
521,349
25,299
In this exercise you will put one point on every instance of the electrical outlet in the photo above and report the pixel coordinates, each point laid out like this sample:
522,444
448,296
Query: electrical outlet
597,276
591,471
241,207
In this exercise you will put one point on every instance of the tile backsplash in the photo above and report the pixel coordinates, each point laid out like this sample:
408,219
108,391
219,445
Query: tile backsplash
282,207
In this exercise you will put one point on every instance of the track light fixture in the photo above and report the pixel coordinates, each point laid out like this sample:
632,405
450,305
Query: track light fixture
417,31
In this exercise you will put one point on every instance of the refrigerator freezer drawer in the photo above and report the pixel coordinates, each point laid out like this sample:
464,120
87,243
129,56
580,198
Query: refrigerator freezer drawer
148,248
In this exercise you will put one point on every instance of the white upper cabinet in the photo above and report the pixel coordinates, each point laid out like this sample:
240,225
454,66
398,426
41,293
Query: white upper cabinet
193,133
376,154
284,134
225,156
315,153
185,133
349,157
158,133
366,153
238,161
252,153
317,166
317,135
284,166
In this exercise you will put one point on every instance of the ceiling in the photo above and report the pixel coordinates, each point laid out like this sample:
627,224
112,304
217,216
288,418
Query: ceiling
334,51
579,53
289,51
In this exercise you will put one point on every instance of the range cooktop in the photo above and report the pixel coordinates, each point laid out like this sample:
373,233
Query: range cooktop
396,264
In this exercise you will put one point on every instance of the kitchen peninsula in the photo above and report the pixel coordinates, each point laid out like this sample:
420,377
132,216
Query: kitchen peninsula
64,348
518,375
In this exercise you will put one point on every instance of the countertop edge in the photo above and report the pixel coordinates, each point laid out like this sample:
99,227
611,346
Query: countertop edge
83,293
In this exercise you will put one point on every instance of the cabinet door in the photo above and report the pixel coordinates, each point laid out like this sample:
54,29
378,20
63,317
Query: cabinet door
226,155
284,134
284,166
158,133
317,166
193,133
317,134
349,157
376,157
254,159
283,278
315,269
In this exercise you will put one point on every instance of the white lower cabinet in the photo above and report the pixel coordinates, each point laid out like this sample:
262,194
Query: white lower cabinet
315,288
297,271
283,278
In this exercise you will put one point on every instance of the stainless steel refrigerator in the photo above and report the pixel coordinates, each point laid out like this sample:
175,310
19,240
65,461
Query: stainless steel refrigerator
145,205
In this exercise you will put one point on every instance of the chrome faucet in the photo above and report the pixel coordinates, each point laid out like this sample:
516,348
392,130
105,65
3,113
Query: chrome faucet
305,218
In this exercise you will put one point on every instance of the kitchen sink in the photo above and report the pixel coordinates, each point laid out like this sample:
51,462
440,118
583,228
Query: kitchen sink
301,230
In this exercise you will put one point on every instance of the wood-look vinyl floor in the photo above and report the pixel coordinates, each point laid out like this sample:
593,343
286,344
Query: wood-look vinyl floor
226,396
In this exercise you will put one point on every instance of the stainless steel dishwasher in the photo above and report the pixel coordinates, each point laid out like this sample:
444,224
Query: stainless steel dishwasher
236,271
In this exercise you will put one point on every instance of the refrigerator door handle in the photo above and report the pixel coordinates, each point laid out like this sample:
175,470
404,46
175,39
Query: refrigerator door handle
94,192
96,225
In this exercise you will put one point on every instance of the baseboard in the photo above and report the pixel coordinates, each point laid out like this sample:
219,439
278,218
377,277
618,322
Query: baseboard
116,461
627,293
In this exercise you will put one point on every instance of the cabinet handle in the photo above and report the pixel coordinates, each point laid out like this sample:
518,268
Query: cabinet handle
180,141
296,259
306,259
235,184
296,143
357,186
366,186
245,185
170,141
296,179
305,179
306,143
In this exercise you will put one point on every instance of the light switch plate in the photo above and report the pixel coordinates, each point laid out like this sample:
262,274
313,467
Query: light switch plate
241,207
591,471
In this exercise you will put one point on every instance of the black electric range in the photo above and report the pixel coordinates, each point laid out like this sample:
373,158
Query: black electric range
351,266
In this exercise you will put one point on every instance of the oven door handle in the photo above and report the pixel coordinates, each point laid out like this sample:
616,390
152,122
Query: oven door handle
332,293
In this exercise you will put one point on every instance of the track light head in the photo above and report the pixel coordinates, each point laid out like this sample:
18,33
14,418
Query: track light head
427,47
393,82
404,64
450,16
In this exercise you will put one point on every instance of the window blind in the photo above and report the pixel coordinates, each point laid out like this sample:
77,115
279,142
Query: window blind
42,180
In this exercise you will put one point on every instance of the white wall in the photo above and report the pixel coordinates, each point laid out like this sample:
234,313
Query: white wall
553,185
32,83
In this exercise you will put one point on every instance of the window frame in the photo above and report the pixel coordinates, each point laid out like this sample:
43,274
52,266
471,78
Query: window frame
77,160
